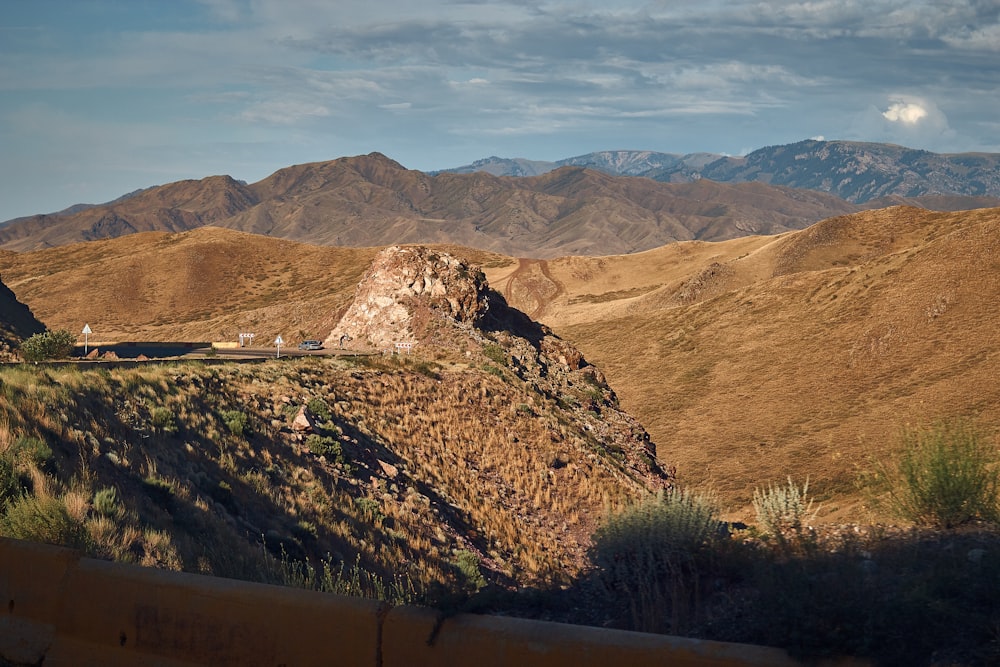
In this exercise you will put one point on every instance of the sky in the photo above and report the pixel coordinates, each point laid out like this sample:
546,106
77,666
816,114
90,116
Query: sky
99,98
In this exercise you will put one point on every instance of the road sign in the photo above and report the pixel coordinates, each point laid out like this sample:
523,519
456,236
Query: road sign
279,341
86,338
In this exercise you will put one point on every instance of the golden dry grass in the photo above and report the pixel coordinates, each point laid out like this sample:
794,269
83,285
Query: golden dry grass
801,354
436,464
748,360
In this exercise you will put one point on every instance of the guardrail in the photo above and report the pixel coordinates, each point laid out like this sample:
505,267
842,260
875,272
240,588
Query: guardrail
63,609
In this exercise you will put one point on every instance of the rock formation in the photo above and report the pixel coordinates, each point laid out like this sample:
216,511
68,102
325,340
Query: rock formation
404,289
415,300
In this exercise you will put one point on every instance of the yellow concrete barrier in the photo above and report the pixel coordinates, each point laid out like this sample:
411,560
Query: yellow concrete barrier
92,612
409,640
65,610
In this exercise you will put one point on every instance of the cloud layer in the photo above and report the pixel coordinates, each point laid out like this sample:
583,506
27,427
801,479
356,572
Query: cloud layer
112,96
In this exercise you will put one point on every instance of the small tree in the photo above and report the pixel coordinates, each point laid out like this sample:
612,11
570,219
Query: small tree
48,345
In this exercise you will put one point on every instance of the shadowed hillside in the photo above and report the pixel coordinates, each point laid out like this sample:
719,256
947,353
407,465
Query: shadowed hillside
16,322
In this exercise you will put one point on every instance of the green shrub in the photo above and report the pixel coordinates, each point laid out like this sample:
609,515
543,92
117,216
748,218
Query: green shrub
33,451
650,557
10,481
106,502
324,445
163,420
305,531
467,563
319,408
782,510
495,353
946,476
48,345
370,509
42,520
237,422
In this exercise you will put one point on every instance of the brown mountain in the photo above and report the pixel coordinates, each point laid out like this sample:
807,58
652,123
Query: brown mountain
747,360
372,201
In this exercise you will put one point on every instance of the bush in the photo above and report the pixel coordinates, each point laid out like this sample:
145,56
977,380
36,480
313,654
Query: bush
106,502
324,445
648,558
495,353
237,422
10,481
782,510
48,345
467,563
42,520
946,476
163,420
319,408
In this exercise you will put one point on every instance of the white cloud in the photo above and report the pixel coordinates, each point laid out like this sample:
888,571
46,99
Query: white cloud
907,113
906,120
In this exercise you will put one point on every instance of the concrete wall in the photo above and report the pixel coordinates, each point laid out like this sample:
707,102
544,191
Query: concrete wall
66,610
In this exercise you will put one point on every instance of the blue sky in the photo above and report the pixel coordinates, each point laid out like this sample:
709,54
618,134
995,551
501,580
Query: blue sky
98,98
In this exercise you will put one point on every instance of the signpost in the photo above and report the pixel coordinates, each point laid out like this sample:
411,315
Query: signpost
86,338
279,341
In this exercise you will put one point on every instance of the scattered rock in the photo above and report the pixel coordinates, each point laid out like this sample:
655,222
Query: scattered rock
304,421
390,470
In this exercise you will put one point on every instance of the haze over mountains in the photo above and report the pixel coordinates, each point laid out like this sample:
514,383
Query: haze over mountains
371,200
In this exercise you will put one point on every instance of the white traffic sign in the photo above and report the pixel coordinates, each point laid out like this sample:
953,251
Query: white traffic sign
279,341
86,338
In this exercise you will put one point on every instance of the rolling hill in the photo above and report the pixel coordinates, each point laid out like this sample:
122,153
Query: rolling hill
802,354
747,360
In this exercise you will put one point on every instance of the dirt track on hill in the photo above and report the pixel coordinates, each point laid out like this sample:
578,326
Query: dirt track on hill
532,287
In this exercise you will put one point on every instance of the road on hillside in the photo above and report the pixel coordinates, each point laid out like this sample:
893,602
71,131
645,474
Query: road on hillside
188,351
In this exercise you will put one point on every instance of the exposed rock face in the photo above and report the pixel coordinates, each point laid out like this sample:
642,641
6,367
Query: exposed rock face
402,288
414,296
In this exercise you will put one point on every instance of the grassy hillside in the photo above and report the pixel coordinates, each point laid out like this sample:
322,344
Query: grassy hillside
199,468
802,354
747,360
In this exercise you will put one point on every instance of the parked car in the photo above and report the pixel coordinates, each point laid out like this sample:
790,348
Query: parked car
310,345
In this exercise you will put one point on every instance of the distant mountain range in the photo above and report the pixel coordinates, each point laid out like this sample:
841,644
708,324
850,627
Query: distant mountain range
856,171
589,205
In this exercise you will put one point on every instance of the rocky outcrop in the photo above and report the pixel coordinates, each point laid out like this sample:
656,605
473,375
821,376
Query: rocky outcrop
416,300
406,288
